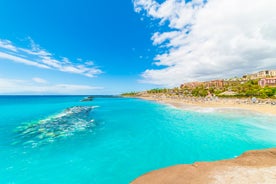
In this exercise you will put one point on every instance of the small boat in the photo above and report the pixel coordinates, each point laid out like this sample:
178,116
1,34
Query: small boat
87,99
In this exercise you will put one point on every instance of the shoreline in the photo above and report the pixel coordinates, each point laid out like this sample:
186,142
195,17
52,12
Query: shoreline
251,167
258,166
221,103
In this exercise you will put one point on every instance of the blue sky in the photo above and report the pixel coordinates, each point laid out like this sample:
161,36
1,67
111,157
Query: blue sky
108,33
110,47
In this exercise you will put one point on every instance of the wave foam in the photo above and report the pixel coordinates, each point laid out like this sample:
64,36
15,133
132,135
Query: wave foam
64,124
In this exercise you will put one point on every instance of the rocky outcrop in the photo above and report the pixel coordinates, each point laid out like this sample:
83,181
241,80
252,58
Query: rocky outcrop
251,167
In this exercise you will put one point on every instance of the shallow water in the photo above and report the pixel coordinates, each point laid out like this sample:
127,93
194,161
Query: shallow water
128,138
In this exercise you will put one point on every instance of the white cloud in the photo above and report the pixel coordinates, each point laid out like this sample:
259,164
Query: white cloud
14,86
177,12
217,39
21,60
39,80
35,56
7,45
89,63
66,60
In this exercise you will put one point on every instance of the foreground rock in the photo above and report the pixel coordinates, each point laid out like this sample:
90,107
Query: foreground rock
251,167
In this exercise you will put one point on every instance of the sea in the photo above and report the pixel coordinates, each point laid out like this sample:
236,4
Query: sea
62,139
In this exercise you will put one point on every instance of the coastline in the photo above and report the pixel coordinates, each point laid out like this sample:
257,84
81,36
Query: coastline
251,167
219,103
257,166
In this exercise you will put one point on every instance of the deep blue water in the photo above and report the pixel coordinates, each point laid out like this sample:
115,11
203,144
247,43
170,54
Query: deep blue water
42,141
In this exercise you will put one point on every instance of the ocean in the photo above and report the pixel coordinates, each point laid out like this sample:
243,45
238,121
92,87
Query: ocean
59,139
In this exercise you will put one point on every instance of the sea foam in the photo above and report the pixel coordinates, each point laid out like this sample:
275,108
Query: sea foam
63,124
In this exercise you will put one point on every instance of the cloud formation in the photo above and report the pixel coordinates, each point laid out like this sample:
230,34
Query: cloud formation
39,80
41,86
38,57
210,40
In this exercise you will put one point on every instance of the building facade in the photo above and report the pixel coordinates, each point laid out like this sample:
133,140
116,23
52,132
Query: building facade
207,84
261,74
271,82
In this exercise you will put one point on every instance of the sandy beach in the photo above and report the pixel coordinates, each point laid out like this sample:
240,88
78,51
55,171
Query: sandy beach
251,167
261,106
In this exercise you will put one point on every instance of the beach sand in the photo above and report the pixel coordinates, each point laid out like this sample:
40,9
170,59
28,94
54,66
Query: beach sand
220,103
254,167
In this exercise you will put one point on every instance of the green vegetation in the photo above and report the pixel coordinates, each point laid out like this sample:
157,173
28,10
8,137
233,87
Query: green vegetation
158,90
199,91
251,88
267,92
130,94
233,88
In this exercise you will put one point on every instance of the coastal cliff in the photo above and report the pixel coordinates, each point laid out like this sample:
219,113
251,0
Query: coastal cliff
251,167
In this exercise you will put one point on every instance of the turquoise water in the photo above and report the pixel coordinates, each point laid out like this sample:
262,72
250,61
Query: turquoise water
59,139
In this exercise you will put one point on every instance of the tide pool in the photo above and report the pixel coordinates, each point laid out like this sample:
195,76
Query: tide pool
119,140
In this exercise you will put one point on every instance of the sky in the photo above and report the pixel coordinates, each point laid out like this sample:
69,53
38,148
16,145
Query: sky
111,47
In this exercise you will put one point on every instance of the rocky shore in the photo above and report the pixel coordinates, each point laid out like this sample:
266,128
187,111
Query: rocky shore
254,167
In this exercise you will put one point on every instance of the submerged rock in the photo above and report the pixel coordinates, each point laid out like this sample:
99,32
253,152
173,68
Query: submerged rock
64,124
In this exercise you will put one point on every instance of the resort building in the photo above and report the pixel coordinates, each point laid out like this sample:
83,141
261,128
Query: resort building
261,74
214,84
191,85
267,82
207,84
267,78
